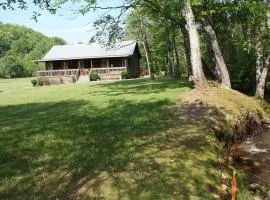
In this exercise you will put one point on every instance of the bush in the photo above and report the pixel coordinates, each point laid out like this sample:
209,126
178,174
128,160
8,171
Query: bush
125,75
94,76
34,82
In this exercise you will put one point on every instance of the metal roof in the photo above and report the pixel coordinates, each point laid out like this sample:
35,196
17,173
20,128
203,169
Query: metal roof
84,51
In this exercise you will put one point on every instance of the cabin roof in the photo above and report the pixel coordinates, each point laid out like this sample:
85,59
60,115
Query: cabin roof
85,51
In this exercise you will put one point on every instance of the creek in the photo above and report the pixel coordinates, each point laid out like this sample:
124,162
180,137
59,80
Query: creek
253,156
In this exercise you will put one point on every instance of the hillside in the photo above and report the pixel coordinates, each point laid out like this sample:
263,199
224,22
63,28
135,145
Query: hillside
19,46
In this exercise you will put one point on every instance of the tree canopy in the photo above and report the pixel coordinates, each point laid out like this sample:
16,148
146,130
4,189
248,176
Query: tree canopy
20,47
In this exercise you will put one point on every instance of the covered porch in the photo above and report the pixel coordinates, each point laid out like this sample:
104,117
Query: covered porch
107,68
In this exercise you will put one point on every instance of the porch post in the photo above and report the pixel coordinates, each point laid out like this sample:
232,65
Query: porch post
79,64
123,62
37,64
108,62
65,64
91,63
126,62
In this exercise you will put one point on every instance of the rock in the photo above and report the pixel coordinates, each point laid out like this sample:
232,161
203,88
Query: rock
223,189
256,164
216,196
257,198
224,176
245,159
230,160
254,186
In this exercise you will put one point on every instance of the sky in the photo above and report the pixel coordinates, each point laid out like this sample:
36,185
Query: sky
73,28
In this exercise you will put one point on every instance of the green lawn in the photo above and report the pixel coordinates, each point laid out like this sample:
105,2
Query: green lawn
113,140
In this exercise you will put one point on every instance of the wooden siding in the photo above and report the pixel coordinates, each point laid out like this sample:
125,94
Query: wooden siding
133,66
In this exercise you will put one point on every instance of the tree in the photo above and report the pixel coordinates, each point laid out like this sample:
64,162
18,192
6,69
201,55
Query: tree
262,58
198,76
19,48
147,50
221,68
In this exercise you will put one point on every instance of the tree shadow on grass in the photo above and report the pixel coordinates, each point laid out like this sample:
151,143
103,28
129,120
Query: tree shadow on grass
139,86
129,150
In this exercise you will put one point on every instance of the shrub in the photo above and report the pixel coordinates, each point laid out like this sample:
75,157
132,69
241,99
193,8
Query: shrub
34,82
94,76
125,75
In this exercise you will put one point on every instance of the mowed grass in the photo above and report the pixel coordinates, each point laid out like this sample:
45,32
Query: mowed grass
113,140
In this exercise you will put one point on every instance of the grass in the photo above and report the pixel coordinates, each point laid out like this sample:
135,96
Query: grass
115,140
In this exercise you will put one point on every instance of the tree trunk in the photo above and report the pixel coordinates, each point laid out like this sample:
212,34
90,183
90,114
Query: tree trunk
261,70
171,71
198,76
177,67
262,67
147,51
262,79
186,46
221,68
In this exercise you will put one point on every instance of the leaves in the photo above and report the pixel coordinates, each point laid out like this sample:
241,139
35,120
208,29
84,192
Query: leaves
20,47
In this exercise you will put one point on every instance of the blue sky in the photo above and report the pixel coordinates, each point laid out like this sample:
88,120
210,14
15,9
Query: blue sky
65,24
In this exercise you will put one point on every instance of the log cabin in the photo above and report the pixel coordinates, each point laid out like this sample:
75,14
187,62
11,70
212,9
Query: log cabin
78,60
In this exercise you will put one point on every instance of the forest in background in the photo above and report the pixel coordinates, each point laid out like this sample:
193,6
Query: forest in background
20,47
239,29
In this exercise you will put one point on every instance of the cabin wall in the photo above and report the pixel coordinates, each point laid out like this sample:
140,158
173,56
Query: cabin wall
133,67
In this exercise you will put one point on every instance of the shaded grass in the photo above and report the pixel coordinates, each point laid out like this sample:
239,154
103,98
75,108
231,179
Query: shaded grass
116,140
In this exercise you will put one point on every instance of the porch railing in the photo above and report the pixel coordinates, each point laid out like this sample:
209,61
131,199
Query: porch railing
109,70
79,72
52,73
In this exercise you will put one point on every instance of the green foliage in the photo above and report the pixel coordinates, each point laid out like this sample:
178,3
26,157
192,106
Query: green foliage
164,38
243,192
263,191
93,76
125,75
34,82
19,48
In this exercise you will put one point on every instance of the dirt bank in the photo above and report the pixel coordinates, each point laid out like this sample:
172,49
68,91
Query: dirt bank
232,116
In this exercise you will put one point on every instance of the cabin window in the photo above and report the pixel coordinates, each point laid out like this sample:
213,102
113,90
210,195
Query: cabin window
116,62
96,63
104,63
57,65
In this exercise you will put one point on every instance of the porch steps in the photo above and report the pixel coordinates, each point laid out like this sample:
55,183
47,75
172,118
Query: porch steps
83,79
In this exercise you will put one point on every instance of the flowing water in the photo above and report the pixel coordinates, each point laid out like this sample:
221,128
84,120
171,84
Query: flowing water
253,156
